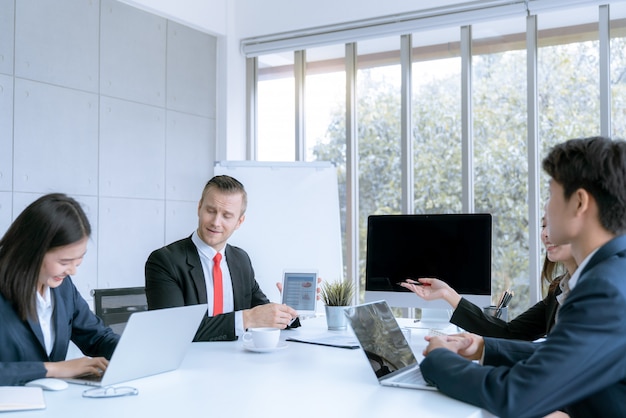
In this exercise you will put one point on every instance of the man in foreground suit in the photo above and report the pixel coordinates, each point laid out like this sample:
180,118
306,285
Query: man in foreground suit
182,273
580,367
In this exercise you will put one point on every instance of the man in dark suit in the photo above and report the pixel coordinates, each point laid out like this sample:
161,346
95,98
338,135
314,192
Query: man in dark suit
580,368
183,273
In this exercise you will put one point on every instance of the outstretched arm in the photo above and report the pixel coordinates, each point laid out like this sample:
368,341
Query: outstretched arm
432,289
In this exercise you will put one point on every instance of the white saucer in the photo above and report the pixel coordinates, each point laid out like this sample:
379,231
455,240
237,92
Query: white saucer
250,347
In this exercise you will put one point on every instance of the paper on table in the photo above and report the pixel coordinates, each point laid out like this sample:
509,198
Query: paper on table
20,398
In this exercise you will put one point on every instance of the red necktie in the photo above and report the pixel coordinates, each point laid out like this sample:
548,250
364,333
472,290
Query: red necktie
218,296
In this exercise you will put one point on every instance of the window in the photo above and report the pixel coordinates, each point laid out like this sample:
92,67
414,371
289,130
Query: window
568,105
568,76
276,108
325,115
378,124
436,121
325,102
500,152
618,70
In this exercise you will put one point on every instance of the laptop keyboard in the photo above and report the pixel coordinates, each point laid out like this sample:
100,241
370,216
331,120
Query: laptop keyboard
90,378
412,376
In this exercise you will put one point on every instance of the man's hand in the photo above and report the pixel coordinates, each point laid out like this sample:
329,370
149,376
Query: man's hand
470,346
273,315
432,289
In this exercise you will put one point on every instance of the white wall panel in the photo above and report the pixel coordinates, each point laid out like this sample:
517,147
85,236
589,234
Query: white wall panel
49,49
56,139
6,132
87,116
190,145
191,71
86,277
21,200
181,219
7,8
130,229
6,199
204,15
132,150
132,64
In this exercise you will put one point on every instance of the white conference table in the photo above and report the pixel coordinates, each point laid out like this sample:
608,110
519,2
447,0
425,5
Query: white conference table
222,379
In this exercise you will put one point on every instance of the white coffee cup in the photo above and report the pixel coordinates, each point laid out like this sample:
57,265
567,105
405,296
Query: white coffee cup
262,337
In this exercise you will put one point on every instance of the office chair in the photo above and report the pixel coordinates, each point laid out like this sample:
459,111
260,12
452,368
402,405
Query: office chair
114,306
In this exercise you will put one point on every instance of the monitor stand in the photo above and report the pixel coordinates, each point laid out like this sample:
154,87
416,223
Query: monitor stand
436,318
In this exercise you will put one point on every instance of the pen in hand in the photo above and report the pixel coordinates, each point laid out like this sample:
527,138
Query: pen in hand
415,282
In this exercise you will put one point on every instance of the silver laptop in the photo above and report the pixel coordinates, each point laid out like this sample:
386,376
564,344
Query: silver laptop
153,342
384,345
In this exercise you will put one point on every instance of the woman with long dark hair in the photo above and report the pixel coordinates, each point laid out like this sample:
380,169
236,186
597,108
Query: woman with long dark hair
41,309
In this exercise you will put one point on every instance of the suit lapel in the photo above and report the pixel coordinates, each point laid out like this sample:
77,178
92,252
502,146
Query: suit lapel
60,319
36,328
61,331
236,276
616,245
195,270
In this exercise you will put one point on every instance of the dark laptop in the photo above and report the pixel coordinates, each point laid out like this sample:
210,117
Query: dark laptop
387,350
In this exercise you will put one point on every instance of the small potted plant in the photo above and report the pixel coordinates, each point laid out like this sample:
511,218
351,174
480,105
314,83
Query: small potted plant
336,296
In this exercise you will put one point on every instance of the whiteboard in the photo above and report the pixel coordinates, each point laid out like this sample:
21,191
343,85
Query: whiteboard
292,219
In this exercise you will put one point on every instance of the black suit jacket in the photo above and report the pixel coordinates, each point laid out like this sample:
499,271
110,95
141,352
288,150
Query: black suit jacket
534,323
22,348
174,277
580,367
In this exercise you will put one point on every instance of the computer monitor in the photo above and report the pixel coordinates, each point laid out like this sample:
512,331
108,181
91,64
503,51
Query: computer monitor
455,248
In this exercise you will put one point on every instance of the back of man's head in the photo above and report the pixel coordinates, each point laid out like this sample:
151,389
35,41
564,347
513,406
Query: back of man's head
598,165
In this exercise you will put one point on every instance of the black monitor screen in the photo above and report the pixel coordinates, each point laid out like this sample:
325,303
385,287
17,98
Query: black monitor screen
455,248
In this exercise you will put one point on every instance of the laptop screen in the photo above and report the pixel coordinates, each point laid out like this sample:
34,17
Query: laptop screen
164,333
380,337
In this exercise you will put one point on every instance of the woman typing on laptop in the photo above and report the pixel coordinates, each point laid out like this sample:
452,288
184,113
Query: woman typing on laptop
40,307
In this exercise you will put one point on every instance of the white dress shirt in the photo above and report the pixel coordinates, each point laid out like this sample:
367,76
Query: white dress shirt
206,254
45,306
569,284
